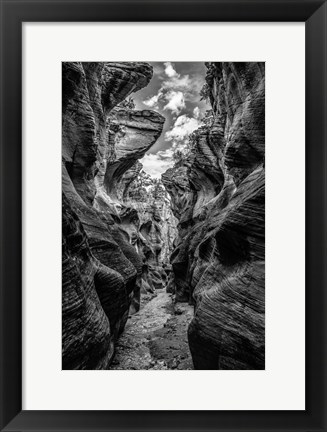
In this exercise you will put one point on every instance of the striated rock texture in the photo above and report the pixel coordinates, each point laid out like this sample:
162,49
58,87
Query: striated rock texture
102,270
218,195
153,230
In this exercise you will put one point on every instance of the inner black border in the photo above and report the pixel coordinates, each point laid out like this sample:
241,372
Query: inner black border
13,14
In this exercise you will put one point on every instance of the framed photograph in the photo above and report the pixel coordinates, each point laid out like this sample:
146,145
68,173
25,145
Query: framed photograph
163,234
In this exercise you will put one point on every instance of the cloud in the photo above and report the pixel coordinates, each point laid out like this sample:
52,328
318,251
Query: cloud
180,132
156,164
196,112
169,70
175,90
189,85
166,154
175,100
177,83
152,102
181,129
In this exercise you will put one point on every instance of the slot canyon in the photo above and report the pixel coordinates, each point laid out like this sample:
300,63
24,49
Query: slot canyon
168,271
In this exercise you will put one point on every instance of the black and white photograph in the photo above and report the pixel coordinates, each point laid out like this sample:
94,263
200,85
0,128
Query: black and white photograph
163,215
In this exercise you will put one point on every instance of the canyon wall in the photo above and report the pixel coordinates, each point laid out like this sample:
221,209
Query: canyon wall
218,196
150,225
108,245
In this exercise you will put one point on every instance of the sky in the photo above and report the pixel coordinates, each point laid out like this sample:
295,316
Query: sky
173,92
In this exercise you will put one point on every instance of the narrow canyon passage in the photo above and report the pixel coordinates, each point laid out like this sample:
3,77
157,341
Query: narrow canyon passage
163,207
156,336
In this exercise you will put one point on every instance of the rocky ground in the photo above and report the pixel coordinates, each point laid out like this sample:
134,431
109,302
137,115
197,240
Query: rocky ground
156,336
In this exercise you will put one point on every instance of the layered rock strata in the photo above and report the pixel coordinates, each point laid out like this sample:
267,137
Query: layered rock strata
218,195
102,269
153,230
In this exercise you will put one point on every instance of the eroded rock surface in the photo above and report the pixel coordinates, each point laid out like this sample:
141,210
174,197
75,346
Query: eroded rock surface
218,196
119,226
102,266
153,230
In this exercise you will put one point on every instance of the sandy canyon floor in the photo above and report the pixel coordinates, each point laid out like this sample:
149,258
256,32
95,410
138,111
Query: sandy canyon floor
156,336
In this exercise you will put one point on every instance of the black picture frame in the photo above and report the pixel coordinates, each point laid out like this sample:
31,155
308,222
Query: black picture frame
13,14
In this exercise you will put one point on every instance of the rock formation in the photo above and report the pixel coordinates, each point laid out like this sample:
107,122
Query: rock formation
102,265
218,195
154,228
119,224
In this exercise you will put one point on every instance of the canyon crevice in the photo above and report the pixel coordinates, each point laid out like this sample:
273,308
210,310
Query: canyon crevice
185,252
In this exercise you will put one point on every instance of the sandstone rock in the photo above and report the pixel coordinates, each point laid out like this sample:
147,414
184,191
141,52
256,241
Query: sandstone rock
228,279
135,133
120,79
156,227
120,226
218,196
87,342
102,270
